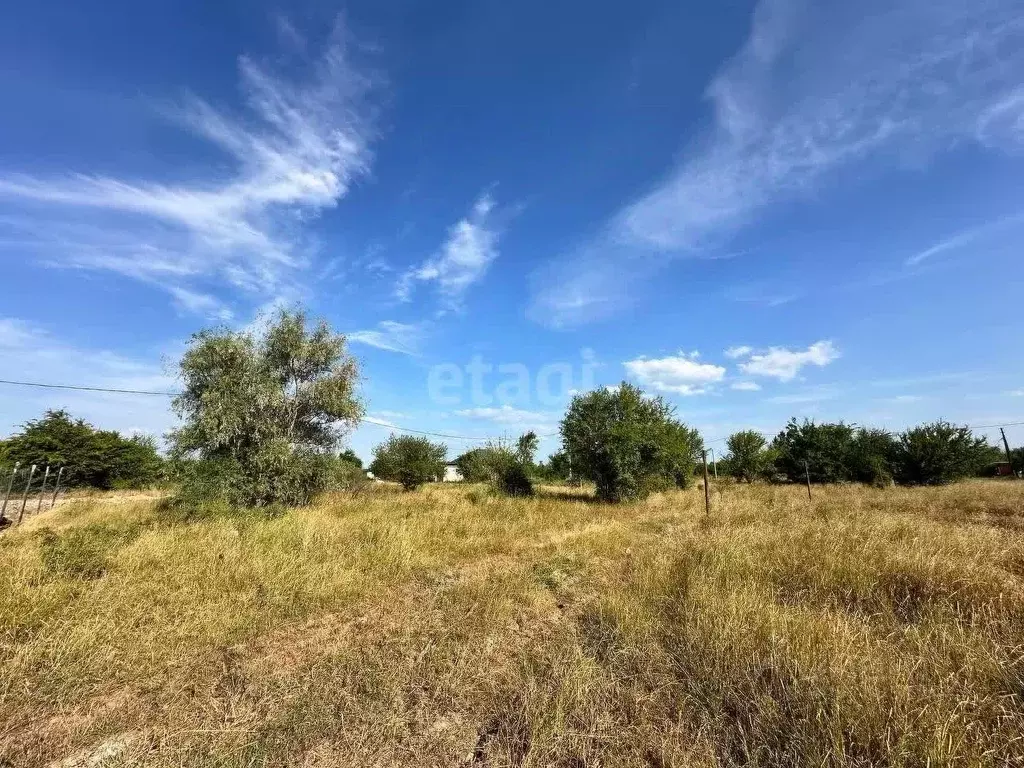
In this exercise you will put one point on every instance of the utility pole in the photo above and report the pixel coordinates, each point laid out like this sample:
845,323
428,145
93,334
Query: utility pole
42,490
1009,457
707,484
10,483
56,488
24,498
807,474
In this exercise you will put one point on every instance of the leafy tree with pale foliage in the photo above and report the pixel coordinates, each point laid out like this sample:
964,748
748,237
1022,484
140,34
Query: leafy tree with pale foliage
748,457
628,444
263,412
411,461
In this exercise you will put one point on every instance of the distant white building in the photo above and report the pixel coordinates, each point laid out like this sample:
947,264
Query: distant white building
452,474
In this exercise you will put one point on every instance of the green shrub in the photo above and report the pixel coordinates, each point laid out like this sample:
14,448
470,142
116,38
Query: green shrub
346,476
509,474
474,465
505,469
873,456
628,444
411,461
939,453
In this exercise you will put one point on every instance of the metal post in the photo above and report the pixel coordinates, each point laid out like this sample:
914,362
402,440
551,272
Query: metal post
56,487
807,474
10,483
42,490
714,462
707,484
24,498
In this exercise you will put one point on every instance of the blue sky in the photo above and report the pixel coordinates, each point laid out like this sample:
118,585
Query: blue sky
758,210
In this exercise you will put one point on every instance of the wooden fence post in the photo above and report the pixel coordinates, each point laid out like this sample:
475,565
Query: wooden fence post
707,484
42,490
56,487
10,484
807,474
24,498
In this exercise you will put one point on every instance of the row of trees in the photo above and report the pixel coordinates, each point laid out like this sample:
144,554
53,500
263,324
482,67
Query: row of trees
929,454
626,443
91,457
263,416
413,461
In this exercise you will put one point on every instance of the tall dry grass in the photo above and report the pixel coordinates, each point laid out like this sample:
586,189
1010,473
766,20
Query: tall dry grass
447,627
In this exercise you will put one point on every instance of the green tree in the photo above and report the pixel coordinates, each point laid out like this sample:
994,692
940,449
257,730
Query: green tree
473,465
411,461
500,466
266,409
91,457
872,456
828,450
939,453
526,447
350,456
509,470
1017,460
555,469
748,458
628,444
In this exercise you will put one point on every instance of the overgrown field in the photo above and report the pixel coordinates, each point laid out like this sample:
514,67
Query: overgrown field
447,627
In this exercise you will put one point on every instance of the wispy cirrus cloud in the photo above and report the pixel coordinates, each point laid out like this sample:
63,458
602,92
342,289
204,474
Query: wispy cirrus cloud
464,258
293,152
392,336
815,88
509,416
987,236
680,374
34,354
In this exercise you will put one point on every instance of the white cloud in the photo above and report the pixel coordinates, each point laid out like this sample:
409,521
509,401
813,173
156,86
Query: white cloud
380,422
745,386
471,246
1016,393
296,153
391,414
506,414
736,352
816,87
32,354
680,374
392,336
784,364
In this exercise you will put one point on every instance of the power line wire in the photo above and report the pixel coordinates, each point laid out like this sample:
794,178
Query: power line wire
362,420
87,389
370,421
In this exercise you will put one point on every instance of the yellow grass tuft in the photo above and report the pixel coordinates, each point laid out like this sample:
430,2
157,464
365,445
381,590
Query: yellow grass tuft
451,627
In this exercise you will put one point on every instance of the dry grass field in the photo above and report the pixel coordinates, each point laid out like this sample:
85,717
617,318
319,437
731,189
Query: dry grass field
446,627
